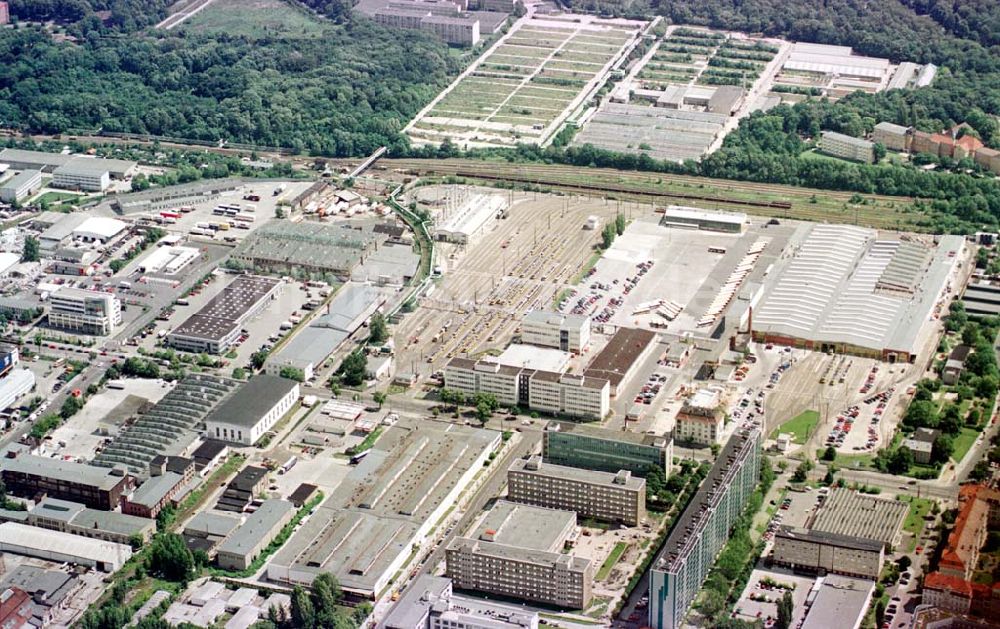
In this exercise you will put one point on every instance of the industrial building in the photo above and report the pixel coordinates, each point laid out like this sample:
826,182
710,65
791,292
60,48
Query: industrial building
847,147
96,487
838,68
169,427
22,539
467,214
701,418
448,20
702,530
153,495
807,550
89,175
609,497
351,307
308,248
893,136
215,328
168,260
15,384
696,218
20,186
77,519
569,333
84,311
617,362
250,539
430,603
848,512
839,601
516,551
981,299
98,229
841,291
545,391
20,159
252,410
366,530
248,483
588,447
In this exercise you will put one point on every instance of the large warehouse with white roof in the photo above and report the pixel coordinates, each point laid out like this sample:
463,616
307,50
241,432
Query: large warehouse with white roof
849,290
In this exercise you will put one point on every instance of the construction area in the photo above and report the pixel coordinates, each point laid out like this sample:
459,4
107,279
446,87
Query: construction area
524,88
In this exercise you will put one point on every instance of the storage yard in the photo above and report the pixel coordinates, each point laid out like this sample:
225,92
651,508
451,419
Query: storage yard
523,90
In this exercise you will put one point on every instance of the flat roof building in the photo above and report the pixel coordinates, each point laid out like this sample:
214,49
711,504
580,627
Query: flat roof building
215,328
84,311
430,603
893,136
610,497
569,333
595,448
701,531
365,531
825,553
840,602
22,539
921,444
848,512
20,186
153,495
517,552
847,147
697,218
78,519
97,487
99,229
252,410
81,173
701,418
250,539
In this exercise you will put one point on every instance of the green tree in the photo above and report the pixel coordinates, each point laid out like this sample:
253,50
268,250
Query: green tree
169,558
942,448
786,611
379,398
71,406
830,454
292,373
30,253
620,224
607,236
302,613
378,332
258,358
900,461
239,373
352,369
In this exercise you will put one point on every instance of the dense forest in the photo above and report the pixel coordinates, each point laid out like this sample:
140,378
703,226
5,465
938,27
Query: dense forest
344,93
124,15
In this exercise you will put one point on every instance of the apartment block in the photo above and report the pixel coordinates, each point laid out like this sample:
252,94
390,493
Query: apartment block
593,448
847,147
828,553
702,530
570,333
517,552
619,497
893,136
84,311
701,418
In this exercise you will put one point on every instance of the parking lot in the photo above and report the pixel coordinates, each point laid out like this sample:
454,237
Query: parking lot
765,588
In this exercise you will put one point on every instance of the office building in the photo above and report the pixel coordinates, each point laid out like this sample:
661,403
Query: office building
696,218
848,512
893,136
59,547
253,410
825,553
84,311
517,552
569,333
847,147
618,497
702,530
97,487
430,603
20,186
701,418
593,448
216,327
88,175
247,542
77,519
617,362
545,391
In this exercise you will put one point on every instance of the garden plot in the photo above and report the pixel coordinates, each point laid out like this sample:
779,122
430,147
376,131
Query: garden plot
524,88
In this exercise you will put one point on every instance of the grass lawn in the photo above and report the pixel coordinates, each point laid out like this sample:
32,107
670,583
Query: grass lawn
963,442
56,197
914,522
609,563
800,427
255,19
